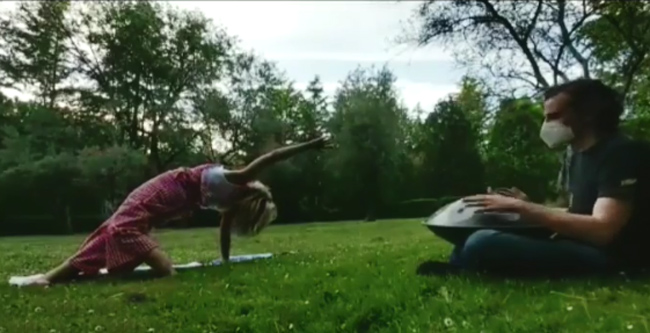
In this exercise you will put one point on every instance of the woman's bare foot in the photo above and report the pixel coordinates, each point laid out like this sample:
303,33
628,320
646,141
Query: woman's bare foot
36,281
42,282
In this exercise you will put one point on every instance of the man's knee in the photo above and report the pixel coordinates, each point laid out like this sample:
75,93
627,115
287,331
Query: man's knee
479,240
479,246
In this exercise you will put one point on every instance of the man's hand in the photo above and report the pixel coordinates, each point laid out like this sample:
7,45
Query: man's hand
494,203
509,192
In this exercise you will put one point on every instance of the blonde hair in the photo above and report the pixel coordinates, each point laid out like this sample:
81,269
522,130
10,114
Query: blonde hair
254,212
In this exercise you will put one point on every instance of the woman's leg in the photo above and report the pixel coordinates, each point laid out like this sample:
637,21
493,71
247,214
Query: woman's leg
121,244
88,259
61,273
158,260
152,204
160,263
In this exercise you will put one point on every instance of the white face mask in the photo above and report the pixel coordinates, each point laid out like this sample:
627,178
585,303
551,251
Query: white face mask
555,134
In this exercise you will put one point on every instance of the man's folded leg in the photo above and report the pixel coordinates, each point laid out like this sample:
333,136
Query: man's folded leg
505,253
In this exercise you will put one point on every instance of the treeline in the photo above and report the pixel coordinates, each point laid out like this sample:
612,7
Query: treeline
125,90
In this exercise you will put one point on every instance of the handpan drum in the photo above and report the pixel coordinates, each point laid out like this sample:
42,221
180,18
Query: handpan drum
456,221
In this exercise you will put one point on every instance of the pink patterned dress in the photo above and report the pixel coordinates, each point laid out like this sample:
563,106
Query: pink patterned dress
121,243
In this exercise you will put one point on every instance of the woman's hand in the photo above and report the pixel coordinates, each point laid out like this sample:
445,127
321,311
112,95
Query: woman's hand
321,143
225,229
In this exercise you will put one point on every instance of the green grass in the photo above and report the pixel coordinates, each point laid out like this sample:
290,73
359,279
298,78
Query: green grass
339,277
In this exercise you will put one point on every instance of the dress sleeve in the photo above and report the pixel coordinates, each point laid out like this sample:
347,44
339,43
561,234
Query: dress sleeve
216,191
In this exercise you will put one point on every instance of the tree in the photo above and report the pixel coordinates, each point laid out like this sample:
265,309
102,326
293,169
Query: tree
452,160
524,42
152,62
36,158
620,38
110,173
308,172
472,99
365,124
244,111
516,156
160,88
537,44
36,51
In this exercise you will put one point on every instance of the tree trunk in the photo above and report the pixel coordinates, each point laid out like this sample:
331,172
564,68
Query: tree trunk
371,213
68,220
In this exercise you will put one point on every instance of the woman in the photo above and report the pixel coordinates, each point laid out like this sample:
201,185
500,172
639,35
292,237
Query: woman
122,242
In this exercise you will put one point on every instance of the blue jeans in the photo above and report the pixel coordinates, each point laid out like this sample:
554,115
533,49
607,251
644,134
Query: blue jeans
502,252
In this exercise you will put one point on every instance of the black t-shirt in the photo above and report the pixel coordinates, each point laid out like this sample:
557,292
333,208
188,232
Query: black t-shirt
616,167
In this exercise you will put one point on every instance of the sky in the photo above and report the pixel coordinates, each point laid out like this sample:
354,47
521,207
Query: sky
330,39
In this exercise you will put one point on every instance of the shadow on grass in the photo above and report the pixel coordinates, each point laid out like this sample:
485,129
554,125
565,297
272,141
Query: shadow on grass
445,269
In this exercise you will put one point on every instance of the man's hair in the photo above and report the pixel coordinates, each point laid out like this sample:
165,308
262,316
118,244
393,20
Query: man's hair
588,97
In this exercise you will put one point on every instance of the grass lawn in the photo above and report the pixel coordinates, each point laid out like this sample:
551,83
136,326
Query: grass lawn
339,277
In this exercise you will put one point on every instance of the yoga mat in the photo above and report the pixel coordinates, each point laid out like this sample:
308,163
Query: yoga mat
24,280
244,258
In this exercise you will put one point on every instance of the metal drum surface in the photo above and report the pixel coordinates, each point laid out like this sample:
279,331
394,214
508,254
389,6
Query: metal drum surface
455,222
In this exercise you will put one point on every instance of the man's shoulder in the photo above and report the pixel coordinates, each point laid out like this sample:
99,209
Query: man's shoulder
618,152
629,155
619,140
625,147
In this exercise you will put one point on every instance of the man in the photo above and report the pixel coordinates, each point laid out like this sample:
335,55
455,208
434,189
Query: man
607,223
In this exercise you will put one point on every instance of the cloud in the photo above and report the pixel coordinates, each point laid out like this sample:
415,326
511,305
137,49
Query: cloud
310,26
361,57
332,38
425,94
13,93
412,93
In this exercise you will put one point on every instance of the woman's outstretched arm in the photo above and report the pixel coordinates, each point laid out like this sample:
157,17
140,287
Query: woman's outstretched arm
251,171
224,234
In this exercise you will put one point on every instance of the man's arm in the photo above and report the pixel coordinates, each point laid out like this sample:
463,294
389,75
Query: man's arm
608,217
224,234
251,171
612,210
560,204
